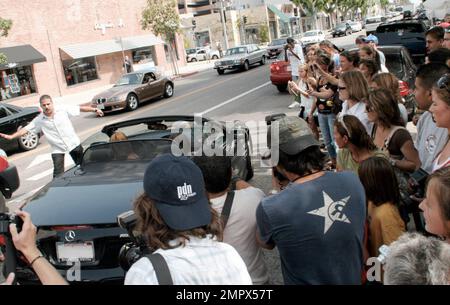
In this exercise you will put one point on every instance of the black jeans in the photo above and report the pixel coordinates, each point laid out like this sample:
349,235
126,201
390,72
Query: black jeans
58,160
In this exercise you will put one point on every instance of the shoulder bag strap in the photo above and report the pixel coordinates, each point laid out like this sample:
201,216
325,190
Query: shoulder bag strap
161,269
227,208
391,134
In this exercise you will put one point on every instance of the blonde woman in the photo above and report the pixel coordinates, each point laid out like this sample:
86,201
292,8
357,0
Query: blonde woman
306,82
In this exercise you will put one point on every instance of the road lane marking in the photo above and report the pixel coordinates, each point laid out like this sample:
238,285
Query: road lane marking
41,175
163,102
234,98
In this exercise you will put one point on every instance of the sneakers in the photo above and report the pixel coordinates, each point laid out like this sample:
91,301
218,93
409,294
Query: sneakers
294,104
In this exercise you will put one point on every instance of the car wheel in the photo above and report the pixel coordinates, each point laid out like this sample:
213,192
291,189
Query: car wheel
215,57
132,102
193,59
168,90
220,71
245,67
263,61
282,88
28,141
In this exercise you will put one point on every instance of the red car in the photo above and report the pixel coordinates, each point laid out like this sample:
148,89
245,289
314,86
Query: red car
280,73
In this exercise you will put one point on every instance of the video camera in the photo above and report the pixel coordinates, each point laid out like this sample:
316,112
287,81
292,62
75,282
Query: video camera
9,182
132,251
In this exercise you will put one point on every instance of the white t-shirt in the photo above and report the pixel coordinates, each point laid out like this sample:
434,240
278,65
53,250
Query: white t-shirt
306,102
430,140
294,61
58,130
202,261
240,231
403,112
359,111
382,57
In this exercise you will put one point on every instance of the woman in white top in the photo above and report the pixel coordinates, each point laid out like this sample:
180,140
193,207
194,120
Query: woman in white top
306,82
177,222
353,90
440,110
367,52
390,82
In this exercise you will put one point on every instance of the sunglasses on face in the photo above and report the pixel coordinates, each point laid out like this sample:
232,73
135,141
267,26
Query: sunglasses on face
342,88
444,82
369,108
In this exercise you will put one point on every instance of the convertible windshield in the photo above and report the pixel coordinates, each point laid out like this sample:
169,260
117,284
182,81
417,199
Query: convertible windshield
129,79
233,51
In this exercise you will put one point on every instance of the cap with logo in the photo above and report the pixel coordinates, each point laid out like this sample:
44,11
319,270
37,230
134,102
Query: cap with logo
294,135
176,186
371,38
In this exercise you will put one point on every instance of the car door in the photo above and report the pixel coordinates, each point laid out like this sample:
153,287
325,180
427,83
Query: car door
144,90
201,55
156,85
8,125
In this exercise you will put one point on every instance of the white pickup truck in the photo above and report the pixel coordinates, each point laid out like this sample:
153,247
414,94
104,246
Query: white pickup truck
203,54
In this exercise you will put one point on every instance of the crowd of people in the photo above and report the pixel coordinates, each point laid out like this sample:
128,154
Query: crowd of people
336,203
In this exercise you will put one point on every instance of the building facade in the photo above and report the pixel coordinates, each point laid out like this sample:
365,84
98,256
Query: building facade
61,47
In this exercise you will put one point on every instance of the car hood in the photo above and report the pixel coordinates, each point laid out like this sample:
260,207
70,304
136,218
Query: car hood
77,204
116,91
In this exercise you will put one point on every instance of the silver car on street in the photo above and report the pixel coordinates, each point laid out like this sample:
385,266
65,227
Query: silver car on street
241,57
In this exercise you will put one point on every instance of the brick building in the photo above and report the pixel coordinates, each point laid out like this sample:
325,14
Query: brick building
61,47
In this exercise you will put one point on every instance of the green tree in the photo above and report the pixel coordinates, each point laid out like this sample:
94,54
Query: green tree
263,33
5,26
311,7
161,17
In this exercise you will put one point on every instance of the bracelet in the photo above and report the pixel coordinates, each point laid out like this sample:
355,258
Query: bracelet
35,259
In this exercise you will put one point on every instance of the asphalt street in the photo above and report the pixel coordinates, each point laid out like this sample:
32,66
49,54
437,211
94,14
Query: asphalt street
247,96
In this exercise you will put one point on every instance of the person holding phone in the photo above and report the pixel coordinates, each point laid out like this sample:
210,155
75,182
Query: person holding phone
295,57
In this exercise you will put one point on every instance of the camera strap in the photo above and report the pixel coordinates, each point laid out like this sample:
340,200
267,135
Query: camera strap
226,210
161,269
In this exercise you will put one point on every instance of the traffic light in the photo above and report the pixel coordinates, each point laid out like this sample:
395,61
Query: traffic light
245,19
295,12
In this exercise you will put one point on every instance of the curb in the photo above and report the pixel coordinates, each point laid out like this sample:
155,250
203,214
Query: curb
182,75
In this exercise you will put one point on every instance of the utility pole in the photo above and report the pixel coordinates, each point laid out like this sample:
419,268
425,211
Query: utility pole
241,25
224,26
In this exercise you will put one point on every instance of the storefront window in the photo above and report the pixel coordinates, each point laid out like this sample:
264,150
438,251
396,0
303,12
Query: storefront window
80,70
143,56
16,82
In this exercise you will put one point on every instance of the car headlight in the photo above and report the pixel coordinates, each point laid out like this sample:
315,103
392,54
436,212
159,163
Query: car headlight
114,99
237,61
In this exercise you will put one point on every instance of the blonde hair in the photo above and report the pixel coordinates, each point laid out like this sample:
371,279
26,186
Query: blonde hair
356,85
388,81
118,136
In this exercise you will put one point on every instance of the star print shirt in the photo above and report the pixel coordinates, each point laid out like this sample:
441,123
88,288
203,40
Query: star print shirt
318,228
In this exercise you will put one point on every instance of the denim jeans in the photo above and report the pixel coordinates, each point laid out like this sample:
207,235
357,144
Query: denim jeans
326,123
58,160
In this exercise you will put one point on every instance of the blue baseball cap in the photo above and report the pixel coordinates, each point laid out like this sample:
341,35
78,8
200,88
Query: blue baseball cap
176,186
371,38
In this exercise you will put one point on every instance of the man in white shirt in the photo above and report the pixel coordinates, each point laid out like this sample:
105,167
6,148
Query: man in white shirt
240,229
55,124
294,54
430,139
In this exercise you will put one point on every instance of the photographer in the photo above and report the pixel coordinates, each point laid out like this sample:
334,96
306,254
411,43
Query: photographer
25,242
178,223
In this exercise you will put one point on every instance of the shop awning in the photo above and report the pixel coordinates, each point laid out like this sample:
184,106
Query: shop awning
89,49
279,13
20,56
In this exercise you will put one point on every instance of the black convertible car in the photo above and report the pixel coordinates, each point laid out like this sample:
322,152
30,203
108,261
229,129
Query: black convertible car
76,213
13,118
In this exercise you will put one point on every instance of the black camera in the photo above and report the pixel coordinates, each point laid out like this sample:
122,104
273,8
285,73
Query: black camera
132,251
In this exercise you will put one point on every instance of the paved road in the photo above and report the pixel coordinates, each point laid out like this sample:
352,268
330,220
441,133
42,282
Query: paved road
247,96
